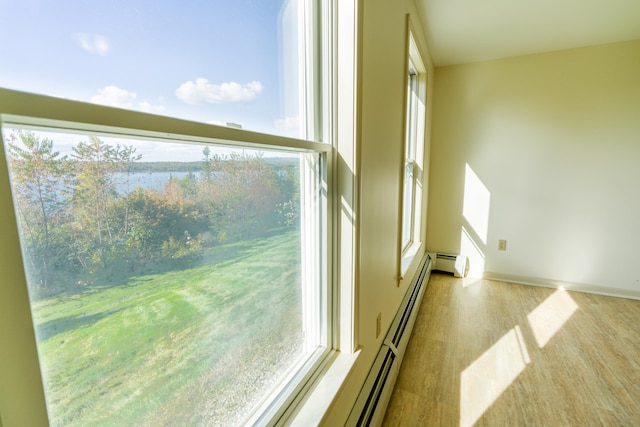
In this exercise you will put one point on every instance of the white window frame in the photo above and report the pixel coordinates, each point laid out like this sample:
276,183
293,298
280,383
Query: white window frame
39,112
34,111
413,157
410,164
27,110
21,392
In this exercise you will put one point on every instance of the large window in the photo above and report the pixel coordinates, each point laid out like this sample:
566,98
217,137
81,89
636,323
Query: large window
165,291
413,155
178,272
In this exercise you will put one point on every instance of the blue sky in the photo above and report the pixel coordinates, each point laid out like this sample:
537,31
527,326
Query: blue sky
214,61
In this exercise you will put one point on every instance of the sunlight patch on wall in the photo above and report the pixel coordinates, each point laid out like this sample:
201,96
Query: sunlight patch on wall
347,211
547,319
489,376
477,200
470,249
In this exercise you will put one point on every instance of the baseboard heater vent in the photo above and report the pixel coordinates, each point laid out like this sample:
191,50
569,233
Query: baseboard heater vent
415,292
373,399
458,265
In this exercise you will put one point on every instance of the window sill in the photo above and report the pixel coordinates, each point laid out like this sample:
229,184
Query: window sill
408,256
315,405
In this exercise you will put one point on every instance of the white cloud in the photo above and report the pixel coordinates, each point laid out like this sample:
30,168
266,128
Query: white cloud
114,96
93,43
225,93
147,107
288,123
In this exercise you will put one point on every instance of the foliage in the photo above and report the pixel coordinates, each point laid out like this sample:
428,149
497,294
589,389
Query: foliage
246,192
164,225
83,224
41,180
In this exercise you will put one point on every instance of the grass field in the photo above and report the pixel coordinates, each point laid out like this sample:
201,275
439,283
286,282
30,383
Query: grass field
193,347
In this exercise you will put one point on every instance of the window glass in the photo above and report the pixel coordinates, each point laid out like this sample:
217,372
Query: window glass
413,174
228,62
407,204
411,140
170,283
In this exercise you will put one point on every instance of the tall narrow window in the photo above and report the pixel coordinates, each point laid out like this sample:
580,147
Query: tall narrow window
409,190
413,155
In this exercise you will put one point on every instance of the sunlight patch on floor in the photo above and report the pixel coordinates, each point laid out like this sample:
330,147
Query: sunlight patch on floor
547,319
483,381
470,281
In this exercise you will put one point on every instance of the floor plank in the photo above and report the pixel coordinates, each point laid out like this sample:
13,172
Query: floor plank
488,353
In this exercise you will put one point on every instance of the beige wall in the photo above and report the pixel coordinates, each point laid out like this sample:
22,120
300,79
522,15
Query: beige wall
555,141
380,144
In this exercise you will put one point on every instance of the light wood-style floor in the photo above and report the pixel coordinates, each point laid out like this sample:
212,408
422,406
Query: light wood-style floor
487,353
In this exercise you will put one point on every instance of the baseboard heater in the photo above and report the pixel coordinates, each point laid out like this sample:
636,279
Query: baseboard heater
458,265
373,399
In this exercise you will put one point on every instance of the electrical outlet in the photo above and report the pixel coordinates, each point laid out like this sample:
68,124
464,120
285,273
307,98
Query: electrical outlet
378,324
502,245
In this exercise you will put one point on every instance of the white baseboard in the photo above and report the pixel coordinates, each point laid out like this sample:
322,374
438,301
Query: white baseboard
570,286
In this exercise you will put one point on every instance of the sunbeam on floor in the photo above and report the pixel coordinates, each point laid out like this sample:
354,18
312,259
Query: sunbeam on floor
549,317
490,375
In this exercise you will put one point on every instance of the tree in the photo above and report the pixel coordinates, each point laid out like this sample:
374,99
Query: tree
126,157
164,226
81,217
41,178
288,182
93,198
207,163
244,195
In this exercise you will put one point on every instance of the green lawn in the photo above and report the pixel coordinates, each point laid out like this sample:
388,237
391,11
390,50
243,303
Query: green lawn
187,347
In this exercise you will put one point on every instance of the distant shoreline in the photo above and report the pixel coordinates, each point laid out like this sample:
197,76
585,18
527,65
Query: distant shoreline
146,167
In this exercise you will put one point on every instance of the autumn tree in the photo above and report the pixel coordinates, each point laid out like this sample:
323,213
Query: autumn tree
82,220
41,179
164,226
101,222
245,196
288,182
125,158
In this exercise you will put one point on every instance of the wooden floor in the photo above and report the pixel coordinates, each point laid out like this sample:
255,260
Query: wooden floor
486,353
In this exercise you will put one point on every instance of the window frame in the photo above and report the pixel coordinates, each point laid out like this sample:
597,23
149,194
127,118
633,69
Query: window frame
410,162
42,112
413,155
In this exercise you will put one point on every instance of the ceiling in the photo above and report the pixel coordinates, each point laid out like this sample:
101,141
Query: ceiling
461,31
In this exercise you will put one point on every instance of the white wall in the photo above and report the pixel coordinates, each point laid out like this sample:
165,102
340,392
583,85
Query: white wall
554,140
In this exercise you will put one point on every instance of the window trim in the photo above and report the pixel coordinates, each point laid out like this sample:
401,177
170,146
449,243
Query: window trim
37,111
26,109
415,107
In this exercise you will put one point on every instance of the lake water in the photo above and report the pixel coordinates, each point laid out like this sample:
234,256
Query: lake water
150,180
